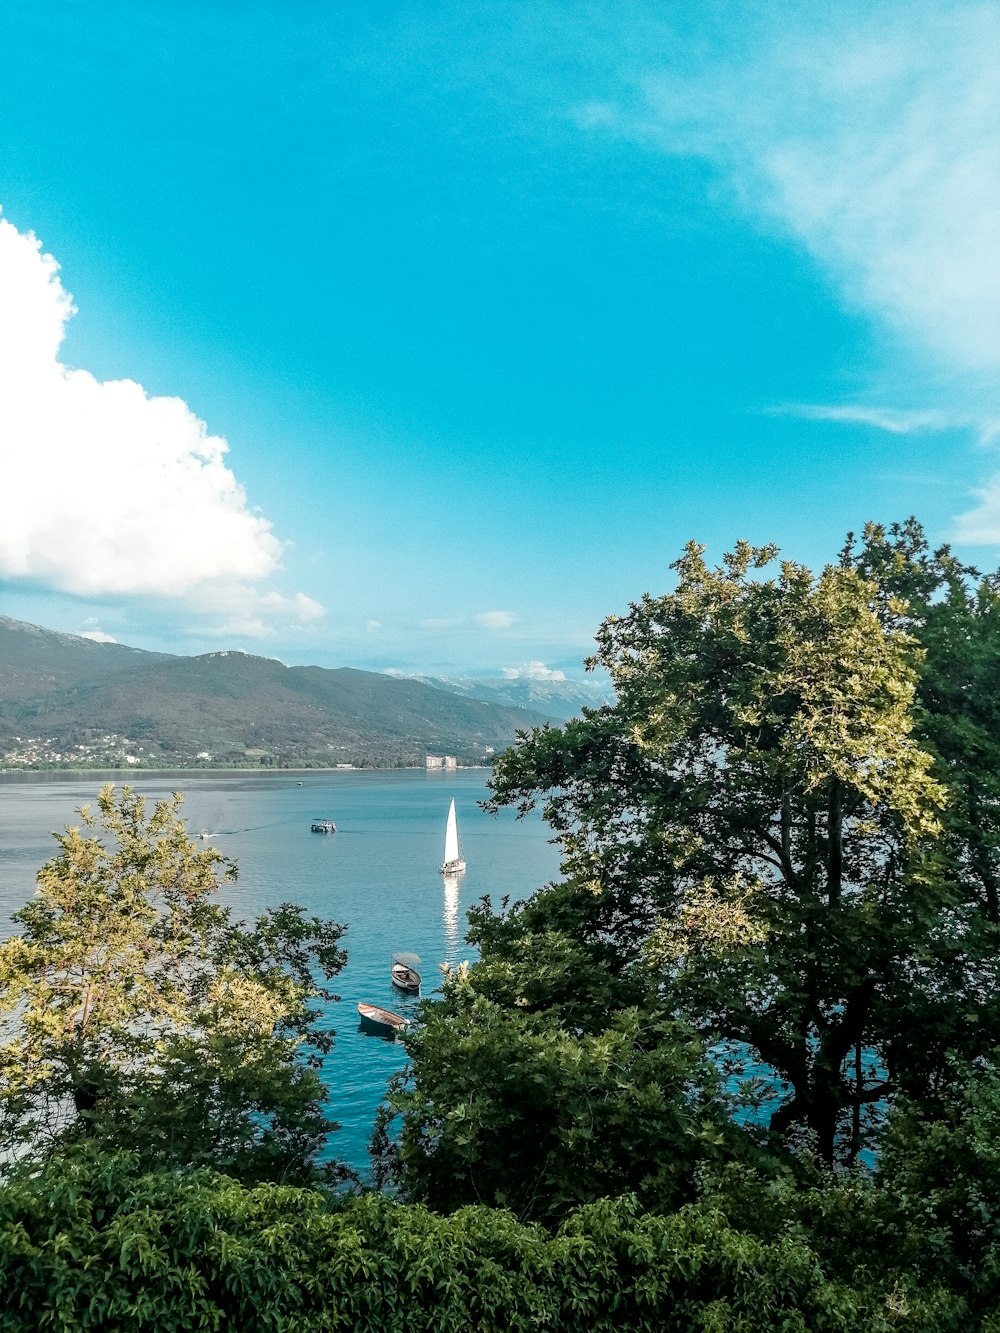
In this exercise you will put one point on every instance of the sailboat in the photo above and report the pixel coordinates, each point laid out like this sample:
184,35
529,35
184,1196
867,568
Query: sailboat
454,861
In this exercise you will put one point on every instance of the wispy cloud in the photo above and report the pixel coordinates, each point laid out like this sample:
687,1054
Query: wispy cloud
980,526
440,623
496,619
875,141
488,620
897,421
109,492
248,612
871,138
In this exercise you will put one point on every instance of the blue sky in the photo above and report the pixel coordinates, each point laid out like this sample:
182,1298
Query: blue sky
494,305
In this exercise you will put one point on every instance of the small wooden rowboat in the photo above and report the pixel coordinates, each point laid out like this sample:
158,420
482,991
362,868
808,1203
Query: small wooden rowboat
381,1022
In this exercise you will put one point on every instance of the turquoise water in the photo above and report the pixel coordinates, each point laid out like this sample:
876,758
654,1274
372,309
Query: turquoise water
378,874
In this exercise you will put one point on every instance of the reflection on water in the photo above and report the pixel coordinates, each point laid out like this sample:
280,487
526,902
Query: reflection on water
450,919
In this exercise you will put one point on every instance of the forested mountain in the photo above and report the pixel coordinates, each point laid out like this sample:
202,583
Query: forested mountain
68,696
36,663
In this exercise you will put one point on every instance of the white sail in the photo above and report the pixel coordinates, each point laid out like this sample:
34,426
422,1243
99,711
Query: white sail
453,859
451,836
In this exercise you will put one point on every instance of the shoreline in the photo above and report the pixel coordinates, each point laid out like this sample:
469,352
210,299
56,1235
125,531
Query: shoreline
219,772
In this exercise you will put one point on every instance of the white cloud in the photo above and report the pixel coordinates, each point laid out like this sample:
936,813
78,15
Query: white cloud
533,671
491,620
373,626
496,619
244,610
981,525
97,635
108,491
890,419
595,115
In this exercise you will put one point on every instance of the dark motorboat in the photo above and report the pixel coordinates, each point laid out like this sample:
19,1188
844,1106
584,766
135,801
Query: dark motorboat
405,976
381,1022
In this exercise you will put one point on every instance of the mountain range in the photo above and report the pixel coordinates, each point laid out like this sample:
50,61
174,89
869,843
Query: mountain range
67,699
554,696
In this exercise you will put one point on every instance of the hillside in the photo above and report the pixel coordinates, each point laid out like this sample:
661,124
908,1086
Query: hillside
36,663
91,702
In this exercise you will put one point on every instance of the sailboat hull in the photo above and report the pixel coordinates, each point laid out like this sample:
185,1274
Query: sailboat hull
453,868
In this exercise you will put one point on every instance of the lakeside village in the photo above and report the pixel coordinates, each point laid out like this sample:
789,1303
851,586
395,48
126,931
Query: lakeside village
112,751
103,751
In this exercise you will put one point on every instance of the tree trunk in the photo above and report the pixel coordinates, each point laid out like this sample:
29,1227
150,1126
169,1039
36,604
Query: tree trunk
821,1091
856,1110
85,1097
835,845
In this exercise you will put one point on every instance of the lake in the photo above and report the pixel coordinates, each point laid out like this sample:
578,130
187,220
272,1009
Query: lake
378,874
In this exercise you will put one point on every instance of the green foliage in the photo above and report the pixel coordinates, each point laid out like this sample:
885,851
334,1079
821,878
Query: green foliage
861,1226
785,834
140,1013
948,1005
551,954
96,1245
763,822
924,1224
508,1108
941,1186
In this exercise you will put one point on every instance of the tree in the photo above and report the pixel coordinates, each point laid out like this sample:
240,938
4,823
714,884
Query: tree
139,1012
514,1109
762,819
953,611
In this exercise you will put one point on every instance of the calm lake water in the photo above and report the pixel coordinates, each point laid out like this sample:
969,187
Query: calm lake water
378,874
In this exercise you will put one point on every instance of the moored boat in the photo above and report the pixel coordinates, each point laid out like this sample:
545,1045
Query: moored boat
381,1022
404,974
454,859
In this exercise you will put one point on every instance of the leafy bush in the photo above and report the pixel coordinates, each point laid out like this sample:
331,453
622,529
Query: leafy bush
510,1109
96,1245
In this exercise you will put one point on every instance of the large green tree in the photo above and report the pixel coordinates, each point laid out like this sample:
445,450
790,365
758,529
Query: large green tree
769,820
140,1011
944,1008
519,1109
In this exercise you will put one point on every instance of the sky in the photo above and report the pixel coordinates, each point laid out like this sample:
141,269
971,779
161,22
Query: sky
423,337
